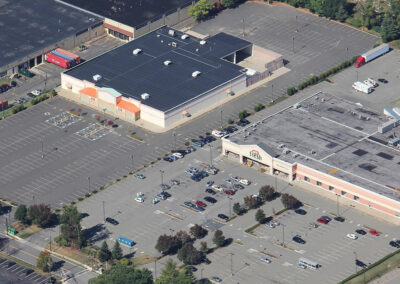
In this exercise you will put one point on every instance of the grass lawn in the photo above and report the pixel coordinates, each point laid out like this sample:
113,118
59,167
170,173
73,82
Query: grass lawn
143,259
72,253
28,231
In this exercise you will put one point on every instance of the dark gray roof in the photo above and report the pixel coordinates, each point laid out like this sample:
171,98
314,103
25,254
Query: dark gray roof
28,26
131,12
168,86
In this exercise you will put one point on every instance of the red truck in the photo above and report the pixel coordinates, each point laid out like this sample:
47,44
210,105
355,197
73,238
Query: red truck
77,58
58,60
372,54
3,104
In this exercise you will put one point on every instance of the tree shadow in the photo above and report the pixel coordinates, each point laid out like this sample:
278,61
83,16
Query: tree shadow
227,242
96,233
57,265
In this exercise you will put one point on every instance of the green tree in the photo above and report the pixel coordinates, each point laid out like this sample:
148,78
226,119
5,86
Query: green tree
188,254
203,247
104,253
266,192
21,214
200,10
41,215
168,244
44,261
243,114
341,14
389,30
183,238
116,251
237,208
289,201
198,231
219,238
252,201
260,216
170,274
123,274
71,230
228,3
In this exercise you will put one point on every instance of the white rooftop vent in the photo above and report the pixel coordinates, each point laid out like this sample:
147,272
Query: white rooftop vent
158,35
195,74
173,44
97,77
184,36
167,62
145,96
171,32
136,51
203,42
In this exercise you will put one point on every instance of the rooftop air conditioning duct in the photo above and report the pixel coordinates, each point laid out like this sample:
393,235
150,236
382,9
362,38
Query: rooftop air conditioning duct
184,36
171,32
203,42
97,77
167,62
136,51
195,74
145,96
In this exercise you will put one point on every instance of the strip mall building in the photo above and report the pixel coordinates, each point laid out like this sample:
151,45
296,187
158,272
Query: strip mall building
309,144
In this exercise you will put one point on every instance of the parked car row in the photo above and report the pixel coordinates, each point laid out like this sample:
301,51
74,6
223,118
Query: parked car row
179,154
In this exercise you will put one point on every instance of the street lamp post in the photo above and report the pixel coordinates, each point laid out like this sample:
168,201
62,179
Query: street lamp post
41,142
209,145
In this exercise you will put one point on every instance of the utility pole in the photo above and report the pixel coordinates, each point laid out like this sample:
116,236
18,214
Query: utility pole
104,212
293,44
209,145
230,207
231,263
174,134
41,142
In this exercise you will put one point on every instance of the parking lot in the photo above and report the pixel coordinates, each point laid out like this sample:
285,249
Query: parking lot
327,244
10,272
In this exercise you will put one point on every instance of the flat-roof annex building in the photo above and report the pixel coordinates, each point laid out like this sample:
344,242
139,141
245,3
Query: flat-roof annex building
329,143
161,77
29,29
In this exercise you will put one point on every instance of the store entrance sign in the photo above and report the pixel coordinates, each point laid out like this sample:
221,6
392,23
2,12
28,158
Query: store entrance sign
255,155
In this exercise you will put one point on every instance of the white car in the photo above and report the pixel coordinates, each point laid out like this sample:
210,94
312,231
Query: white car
217,133
217,187
36,92
244,181
264,259
178,155
352,236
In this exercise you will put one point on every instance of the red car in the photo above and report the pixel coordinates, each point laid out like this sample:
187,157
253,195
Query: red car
322,220
201,204
374,232
229,192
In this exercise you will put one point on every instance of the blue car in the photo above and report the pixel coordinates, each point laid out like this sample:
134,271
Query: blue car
140,176
199,143
173,158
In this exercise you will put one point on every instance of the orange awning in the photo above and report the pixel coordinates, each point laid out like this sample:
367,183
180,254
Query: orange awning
128,106
92,92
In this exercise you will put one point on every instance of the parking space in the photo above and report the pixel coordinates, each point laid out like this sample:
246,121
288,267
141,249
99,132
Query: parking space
10,272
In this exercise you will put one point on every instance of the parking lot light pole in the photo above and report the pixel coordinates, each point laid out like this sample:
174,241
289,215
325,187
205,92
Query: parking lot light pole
209,145
221,118
232,262
104,211
162,178
356,76
174,134
355,260
41,142
293,44
201,274
89,183
230,207
337,204
243,27
297,29
283,234
132,161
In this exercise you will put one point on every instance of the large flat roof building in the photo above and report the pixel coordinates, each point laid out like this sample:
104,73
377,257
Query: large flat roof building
164,76
29,29
327,142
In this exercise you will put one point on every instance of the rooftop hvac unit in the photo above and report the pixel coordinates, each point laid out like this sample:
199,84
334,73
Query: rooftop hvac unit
171,32
97,77
195,74
136,51
184,36
203,42
173,44
145,96
167,62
